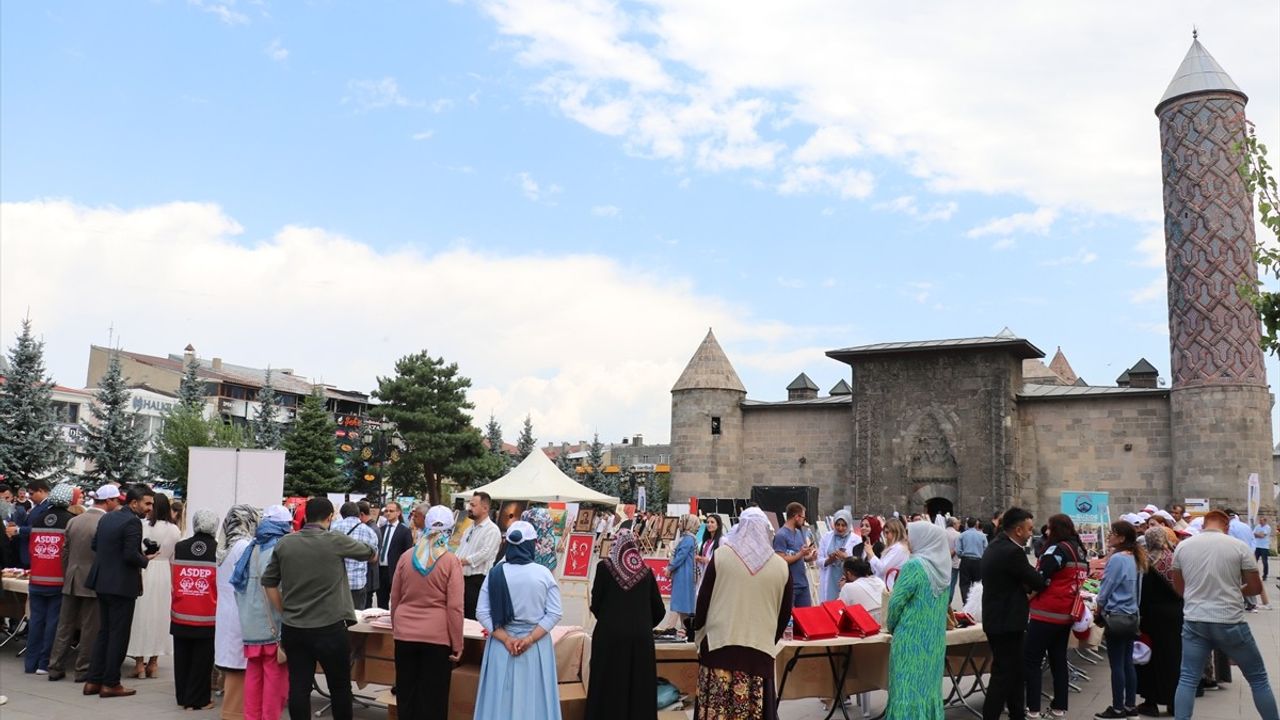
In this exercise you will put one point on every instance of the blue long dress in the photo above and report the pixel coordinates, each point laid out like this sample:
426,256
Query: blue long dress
682,576
918,622
524,686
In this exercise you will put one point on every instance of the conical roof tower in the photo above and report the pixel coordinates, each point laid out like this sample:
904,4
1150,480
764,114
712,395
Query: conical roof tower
706,426
709,369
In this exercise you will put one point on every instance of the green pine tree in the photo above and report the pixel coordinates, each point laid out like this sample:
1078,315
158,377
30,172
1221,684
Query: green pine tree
565,464
114,440
527,441
265,426
191,387
657,493
31,443
493,435
427,403
596,479
311,464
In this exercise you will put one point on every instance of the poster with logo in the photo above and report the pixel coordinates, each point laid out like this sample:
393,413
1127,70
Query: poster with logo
1255,498
1091,514
578,556
659,568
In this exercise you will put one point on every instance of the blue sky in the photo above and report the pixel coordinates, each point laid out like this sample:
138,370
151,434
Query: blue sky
563,196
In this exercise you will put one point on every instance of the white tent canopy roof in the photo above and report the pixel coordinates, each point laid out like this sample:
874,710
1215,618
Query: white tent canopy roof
537,479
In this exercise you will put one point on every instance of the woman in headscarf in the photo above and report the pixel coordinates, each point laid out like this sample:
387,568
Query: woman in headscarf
711,538
519,605
266,680
544,553
426,601
238,529
871,530
681,571
194,605
743,608
917,619
1160,613
889,563
836,546
627,606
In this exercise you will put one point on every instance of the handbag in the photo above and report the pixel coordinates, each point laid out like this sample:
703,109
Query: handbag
1125,625
1077,605
281,657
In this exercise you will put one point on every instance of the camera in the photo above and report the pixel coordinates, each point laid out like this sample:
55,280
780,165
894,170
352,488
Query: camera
150,547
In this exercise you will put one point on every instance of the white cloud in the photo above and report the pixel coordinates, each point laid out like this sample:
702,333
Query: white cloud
224,10
1037,223
174,274
906,205
965,106
441,105
1151,247
424,135
1157,289
536,191
376,94
1004,243
277,51
1082,256
847,183
605,211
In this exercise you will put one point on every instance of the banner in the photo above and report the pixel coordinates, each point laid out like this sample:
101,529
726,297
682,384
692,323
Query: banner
1255,498
1086,507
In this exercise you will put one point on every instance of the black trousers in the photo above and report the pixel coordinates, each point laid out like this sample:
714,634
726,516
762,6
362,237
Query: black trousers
192,671
329,647
423,672
1044,637
1263,558
970,573
471,595
1006,688
115,618
384,587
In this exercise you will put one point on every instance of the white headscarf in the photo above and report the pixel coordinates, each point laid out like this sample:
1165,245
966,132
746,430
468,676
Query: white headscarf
751,539
930,545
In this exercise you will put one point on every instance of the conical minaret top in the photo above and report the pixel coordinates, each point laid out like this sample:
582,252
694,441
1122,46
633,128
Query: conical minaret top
1198,73
709,369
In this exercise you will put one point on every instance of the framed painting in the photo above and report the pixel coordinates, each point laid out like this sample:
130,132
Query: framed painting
659,568
605,546
585,522
669,527
577,558
509,512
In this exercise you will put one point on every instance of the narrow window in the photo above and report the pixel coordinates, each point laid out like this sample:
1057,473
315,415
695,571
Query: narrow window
715,425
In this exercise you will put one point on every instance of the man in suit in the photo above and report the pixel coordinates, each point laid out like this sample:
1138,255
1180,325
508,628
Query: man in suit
79,615
394,539
1007,578
116,575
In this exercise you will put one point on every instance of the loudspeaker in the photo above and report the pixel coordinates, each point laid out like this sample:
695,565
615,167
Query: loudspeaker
777,497
707,506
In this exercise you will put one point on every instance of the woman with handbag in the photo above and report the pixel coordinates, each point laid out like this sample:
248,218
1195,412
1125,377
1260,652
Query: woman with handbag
266,678
1053,611
1118,600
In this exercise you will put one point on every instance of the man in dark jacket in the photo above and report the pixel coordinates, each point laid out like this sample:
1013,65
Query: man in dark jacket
1007,580
46,543
116,575
393,540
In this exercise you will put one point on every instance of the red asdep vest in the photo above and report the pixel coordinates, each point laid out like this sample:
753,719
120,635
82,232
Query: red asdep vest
1053,604
46,544
195,592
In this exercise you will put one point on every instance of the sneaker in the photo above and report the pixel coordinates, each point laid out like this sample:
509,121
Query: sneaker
1148,709
1034,713
1056,713
1131,712
42,672
1110,713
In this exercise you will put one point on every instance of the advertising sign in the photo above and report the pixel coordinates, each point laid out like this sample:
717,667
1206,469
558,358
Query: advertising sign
1255,498
1086,507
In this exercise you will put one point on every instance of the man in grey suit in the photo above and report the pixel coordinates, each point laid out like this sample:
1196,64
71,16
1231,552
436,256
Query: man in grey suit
79,616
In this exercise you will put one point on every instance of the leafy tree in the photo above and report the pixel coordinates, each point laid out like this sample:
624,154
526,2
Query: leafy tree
186,427
264,425
31,443
1258,179
527,441
427,402
311,462
190,388
114,441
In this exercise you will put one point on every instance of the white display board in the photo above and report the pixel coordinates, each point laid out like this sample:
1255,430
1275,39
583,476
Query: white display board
218,478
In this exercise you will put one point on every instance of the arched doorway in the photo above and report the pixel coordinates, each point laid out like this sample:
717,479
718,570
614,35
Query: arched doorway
936,506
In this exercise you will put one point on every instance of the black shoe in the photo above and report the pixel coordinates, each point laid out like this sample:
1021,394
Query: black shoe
1149,709
1110,713
1131,712
56,675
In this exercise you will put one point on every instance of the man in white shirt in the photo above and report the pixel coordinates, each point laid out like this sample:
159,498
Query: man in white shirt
478,550
1262,545
1241,531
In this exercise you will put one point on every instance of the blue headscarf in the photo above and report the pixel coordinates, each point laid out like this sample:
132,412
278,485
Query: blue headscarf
520,551
269,531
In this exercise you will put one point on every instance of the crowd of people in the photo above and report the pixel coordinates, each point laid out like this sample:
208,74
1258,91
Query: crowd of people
263,596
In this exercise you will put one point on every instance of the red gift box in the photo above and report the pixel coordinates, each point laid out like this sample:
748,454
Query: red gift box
835,609
813,623
857,622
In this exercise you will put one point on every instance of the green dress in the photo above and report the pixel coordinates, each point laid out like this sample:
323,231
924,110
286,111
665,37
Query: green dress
918,622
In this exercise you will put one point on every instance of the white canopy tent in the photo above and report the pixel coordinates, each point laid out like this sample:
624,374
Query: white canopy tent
537,479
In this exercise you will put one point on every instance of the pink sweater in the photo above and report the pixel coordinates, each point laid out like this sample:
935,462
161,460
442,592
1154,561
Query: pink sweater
428,609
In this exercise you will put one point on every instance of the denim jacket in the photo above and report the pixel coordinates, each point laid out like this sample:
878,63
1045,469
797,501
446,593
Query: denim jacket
253,605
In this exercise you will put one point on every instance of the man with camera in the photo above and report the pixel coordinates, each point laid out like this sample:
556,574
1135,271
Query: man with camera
116,575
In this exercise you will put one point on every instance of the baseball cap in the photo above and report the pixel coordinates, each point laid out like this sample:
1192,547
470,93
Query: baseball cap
107,492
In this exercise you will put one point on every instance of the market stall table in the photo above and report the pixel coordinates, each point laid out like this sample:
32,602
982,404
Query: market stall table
14,603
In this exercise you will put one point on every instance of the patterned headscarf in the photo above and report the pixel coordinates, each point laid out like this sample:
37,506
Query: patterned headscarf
544,552
434,540
689,524
205,521
62,495
625,563
1160,552
241,523
751,539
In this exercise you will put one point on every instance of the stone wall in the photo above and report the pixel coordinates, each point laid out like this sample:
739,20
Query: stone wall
702,464
1220,435
1119,445
775,438
940,425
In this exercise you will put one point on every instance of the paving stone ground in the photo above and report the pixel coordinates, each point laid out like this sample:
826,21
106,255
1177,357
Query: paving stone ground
33,697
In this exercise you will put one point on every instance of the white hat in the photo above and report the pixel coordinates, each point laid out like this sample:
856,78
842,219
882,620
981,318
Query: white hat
1164,514
277,513
107,492
1144,516
439,518
1131,519
1150,509
524,532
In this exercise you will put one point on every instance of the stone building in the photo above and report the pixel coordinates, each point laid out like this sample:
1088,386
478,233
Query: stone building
972,425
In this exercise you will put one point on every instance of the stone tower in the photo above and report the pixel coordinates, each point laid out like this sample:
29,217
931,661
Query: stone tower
1220,405
706,426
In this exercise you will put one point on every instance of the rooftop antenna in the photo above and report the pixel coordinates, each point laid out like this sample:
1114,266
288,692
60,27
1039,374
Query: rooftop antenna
1195,33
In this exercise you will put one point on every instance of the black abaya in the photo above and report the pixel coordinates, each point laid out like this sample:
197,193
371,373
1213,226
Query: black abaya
624,672
1161,613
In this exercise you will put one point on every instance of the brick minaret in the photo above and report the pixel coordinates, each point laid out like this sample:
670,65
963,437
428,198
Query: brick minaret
1220,420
